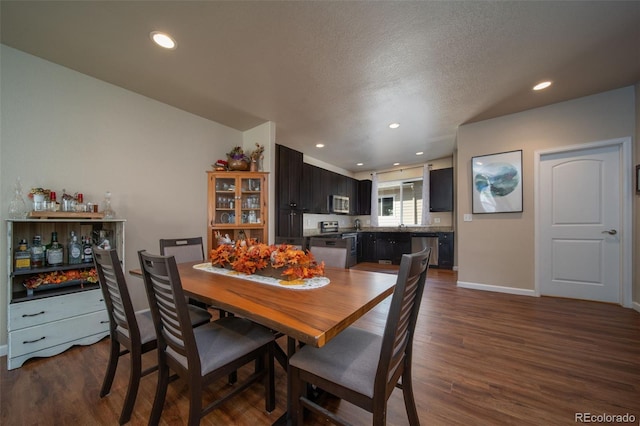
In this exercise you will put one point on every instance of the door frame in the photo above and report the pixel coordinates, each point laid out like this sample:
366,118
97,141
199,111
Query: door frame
626,210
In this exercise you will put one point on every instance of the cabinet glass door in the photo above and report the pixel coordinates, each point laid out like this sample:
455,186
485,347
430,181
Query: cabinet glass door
250,201
225,200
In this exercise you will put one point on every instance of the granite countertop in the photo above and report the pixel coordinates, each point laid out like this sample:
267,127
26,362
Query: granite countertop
407,229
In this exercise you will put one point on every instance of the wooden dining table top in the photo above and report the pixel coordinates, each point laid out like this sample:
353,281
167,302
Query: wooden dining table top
313,316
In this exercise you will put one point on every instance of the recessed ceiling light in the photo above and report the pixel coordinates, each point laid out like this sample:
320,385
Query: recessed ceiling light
396,164
359,164
394,125
542,85
319,145
163,40
419,153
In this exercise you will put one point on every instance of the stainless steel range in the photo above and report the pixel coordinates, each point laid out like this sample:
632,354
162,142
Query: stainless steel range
329,227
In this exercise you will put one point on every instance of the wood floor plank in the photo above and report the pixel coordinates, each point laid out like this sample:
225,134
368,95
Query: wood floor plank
480,358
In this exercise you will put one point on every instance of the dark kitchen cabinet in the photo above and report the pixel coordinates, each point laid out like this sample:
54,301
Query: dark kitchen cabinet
322,184
289,223
317,184
289,180
364,197
367,247
307,188
288,177
445,250
441,190
392,245
352,193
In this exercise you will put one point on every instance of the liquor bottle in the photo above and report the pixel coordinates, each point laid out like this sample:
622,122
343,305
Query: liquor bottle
55,251
37,252
75,250
22,256
87,250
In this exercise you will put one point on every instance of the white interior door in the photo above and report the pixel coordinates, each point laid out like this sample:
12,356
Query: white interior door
580,205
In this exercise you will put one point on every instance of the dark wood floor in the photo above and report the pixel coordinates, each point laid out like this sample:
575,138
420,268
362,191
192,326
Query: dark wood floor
480,359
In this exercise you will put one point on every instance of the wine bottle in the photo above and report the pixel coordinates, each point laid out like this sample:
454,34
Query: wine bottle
87,250
37,252
55,251
75,250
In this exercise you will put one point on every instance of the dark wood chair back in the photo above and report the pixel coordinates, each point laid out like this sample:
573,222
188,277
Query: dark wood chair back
363,367
216,349
169,312
397,342
116,294
133,330
183,249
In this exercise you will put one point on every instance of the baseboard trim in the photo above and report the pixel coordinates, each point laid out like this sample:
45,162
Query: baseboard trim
496,288
3,350
636,306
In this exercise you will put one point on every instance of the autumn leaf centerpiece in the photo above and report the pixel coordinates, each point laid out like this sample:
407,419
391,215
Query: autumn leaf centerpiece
278,261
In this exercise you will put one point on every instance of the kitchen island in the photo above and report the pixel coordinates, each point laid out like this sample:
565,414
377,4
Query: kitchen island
388,244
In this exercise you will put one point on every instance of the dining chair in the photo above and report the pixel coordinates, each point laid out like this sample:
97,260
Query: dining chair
334,252
183,249
131,329
297,242
205,354
363,367
186,250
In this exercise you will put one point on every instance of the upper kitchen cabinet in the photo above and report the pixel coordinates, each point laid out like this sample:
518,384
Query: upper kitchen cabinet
364,197
288,177
306,188
441,190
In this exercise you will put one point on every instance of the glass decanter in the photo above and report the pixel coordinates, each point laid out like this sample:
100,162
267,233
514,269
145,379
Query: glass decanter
106,209
17,206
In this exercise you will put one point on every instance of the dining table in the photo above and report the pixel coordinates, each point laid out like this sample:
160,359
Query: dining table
311,316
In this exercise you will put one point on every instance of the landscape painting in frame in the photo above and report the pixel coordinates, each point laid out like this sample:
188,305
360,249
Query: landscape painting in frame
497,182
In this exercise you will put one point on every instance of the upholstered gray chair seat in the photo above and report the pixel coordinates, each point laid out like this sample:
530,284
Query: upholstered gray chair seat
198,316
225,340
351,359
147,330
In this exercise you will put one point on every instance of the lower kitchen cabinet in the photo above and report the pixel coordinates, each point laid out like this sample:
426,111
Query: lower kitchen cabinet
367,251
392,245
445,250
388,247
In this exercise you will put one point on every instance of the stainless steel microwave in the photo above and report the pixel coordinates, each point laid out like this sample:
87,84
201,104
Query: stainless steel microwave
338,204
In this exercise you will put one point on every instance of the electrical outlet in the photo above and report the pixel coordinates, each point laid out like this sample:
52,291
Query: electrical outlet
468,217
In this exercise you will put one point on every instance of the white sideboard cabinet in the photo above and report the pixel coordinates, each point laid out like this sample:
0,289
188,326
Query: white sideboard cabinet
47,320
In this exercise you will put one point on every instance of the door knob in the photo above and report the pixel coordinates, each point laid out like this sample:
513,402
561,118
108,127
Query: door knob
610,232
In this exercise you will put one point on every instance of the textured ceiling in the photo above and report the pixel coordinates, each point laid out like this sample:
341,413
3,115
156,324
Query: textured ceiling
340,72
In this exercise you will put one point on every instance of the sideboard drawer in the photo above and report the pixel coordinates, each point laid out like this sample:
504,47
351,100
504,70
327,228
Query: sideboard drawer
40,311
47,335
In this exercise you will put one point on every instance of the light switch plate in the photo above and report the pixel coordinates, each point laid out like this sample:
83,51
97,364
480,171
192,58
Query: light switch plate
436,220
468,217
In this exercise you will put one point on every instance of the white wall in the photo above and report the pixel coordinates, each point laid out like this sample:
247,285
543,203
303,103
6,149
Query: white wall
498,249
62,129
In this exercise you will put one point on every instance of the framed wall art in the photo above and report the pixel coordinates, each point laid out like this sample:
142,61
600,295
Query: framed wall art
497,182
638,179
